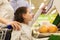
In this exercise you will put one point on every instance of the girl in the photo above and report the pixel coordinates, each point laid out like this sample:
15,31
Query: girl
23,16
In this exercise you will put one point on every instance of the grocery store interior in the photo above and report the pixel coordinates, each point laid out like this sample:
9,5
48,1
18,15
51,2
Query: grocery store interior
29,20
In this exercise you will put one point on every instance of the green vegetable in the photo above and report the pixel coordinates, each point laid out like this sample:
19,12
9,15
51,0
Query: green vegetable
54,37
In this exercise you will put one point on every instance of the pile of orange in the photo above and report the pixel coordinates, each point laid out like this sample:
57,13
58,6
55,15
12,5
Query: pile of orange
48,29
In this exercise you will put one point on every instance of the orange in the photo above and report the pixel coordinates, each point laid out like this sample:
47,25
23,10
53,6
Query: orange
43,29
53,29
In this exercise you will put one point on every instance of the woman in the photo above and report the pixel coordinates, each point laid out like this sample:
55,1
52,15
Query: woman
7,14
23,16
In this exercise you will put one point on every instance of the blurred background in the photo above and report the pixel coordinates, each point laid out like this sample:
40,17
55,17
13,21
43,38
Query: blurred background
43,17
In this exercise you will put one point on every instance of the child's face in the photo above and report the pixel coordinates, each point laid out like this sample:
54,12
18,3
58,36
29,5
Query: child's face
28,15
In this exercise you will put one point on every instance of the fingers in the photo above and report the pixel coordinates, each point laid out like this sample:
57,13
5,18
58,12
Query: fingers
15,25
0,28
17,22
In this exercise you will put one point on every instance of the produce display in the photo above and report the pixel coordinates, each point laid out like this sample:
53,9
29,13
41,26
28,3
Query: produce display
45,30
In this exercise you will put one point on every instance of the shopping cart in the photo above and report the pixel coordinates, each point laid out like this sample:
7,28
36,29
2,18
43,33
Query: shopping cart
5,33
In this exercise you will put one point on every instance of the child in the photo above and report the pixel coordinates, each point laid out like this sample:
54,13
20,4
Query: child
23,16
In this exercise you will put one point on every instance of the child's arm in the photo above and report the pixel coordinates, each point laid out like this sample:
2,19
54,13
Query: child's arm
40,11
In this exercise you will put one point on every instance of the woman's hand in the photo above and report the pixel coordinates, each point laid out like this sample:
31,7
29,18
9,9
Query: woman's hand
15,25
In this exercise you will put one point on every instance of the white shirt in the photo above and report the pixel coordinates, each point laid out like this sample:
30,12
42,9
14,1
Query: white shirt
23,34
6,11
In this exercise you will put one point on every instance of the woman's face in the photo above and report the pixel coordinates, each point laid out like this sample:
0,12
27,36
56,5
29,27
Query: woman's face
28,15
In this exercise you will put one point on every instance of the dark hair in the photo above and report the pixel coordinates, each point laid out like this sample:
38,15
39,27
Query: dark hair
18,14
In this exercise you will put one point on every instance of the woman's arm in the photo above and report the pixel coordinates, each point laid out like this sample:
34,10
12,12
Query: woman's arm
15,25
1,2
2,20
